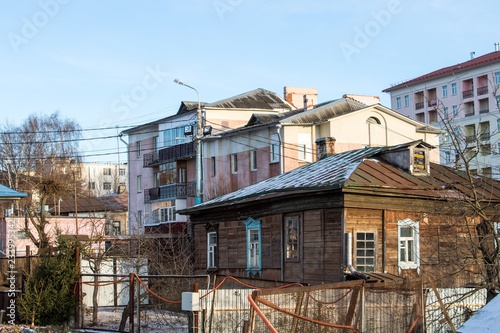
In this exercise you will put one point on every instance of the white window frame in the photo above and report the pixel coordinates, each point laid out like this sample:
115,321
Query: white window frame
274,149
453,89
404,243
304,148
398,103
139,217
106,186
254,246
234,163
139,184
292,238
447,157
253,160
138,148
106,171
211,249
445,91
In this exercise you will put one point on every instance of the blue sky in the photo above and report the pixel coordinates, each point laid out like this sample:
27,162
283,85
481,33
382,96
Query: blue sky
112,63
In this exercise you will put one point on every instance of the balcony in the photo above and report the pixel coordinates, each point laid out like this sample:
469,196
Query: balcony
484,136
170,192
468,93
484,111
469,113
419,105
178,152
432,102
482,90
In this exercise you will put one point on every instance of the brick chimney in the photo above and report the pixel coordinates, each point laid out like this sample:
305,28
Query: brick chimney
325,147
301,97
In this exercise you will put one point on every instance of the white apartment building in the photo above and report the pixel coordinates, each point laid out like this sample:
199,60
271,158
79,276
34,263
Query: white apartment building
466,96
100,179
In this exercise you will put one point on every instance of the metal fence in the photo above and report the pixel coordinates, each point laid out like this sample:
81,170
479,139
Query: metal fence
341,307
460,304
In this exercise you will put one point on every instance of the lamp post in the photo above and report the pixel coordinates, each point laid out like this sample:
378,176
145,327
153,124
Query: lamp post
198,143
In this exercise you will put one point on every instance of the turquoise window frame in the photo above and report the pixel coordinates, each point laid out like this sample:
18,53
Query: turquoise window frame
252,224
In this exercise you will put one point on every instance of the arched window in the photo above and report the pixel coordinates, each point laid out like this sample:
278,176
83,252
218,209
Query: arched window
373,120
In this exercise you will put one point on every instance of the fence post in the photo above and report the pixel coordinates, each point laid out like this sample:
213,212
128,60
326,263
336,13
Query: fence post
441,304
195,313
131,302
78,290
298,307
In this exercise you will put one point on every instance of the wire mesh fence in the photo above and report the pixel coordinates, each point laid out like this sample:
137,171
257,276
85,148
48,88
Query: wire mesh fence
460,304
237,306
342,307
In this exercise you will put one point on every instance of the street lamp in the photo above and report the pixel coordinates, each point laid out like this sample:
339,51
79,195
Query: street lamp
198,143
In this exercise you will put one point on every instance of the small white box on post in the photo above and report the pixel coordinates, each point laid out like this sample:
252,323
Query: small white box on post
190,301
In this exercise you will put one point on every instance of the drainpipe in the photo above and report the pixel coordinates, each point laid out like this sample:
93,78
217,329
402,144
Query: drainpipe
278,128
282,149
120,136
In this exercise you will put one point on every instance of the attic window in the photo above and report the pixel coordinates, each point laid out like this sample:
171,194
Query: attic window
419,161
373,120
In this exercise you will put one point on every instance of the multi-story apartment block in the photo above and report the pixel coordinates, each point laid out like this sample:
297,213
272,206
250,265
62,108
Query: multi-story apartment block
100,179
272,144
466,96
161,157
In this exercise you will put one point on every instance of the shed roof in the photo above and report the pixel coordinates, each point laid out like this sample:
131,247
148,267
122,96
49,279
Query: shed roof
6,193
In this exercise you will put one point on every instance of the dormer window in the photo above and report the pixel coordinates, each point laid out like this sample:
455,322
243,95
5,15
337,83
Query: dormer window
420,161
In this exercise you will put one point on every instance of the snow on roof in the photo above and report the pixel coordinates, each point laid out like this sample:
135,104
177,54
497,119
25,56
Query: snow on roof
485,320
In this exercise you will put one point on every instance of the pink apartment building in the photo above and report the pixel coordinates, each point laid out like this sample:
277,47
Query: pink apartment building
468,95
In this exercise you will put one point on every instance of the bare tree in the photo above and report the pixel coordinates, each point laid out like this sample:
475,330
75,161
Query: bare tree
40,157
473,209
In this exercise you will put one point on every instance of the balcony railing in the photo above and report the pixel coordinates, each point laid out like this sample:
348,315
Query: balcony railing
469,113
484,136
470,139
468,93
432,102
170,191
484,111
419,105
482,90
178,152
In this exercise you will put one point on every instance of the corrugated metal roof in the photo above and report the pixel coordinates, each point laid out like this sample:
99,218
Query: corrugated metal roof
255,99
360,170
8,193
473,63
108,203
312,176
325,112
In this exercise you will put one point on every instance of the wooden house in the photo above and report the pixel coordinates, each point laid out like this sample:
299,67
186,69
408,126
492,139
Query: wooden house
379,209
